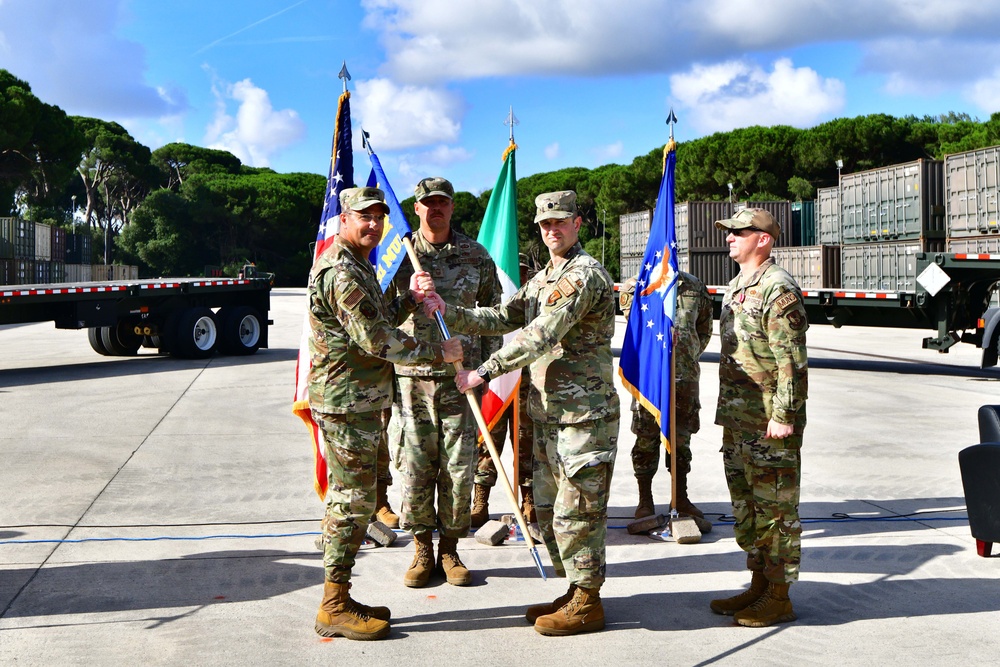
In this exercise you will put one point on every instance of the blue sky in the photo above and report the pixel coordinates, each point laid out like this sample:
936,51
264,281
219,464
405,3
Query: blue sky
589,80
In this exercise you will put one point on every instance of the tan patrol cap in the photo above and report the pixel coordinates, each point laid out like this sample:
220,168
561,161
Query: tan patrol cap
358,199
559,205
434,185
756,218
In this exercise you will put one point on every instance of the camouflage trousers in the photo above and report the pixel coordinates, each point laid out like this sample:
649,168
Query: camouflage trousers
763,477
572,479
432,437
646,451
486,472
350,442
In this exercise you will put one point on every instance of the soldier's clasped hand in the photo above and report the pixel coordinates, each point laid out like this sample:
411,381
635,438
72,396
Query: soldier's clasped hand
452,350
421,284
433,303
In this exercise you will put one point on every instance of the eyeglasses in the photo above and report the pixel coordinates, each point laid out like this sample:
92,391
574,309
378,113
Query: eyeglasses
739,232
369,218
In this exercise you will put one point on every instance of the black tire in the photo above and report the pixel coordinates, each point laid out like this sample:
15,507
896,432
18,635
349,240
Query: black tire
242,330
96,341
195,334
120,340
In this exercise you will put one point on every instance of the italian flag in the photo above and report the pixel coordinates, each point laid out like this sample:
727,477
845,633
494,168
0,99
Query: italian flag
498,235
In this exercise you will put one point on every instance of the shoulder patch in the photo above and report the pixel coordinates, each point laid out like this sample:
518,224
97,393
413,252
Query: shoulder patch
354,296
786,300
554,296
566,286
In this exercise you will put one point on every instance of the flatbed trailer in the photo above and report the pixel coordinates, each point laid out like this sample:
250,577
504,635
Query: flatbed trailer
951,295
183,317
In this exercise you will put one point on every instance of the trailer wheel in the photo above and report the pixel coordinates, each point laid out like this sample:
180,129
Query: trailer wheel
120,340
241,330
97,342
195,334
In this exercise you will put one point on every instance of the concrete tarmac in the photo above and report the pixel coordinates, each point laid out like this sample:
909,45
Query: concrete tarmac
161,512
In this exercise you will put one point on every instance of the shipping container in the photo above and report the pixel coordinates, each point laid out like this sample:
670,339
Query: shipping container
630,266
78,249
781,211
58,244
714,268
24,271
57,272
78,273
828,226
975,245
804,223
24,239
812,267
694,222
7,238
43,241
972,185
895,203
883,266
43,272
102,272
7,271
634,230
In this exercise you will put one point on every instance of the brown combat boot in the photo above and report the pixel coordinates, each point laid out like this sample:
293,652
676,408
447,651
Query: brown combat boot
449,562
423,561
645,506
770,608
583,613
480,505
739,602
528,504
340,616
383,511
534,611
687,508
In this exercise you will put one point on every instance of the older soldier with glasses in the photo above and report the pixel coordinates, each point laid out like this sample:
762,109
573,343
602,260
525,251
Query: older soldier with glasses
352,346
762,395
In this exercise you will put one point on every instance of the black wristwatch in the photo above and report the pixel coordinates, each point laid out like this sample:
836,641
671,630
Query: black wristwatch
483,373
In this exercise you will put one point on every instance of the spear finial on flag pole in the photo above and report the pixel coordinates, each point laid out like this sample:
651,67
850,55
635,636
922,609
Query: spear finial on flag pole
671,144
511,120
345,75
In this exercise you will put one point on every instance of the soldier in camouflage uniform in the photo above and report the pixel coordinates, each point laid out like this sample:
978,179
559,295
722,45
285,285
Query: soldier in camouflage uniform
566,313
432,432
352,346
692,333
762,396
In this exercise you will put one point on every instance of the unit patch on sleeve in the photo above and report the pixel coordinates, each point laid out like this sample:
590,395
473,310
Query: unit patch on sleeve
566,286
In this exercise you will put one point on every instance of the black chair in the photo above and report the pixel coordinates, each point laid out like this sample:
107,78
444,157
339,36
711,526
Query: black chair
980,466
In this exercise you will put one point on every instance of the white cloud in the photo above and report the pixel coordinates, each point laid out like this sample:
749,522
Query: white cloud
611,152
398,117
552,151
257,132
738,94
72,56
435,162
985,93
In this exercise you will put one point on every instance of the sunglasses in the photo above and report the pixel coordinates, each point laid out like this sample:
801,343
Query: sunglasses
739,232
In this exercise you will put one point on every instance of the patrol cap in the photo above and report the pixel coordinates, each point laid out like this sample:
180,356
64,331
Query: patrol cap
559,205
757,218
358,199
435,185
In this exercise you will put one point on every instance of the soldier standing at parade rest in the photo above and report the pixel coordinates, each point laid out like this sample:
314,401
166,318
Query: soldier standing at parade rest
352,345
432,433
566,313
693,332
762,397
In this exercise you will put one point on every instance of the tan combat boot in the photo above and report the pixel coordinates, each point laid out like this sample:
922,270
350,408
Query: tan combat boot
770,608
534,611
449,562
687,508
583,613
383,511
739,602
480,505
528,504
423,561
340,616
645,506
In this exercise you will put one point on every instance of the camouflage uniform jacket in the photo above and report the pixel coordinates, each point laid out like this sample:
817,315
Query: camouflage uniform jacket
568,318
763,364
693,326
353,343
464,274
